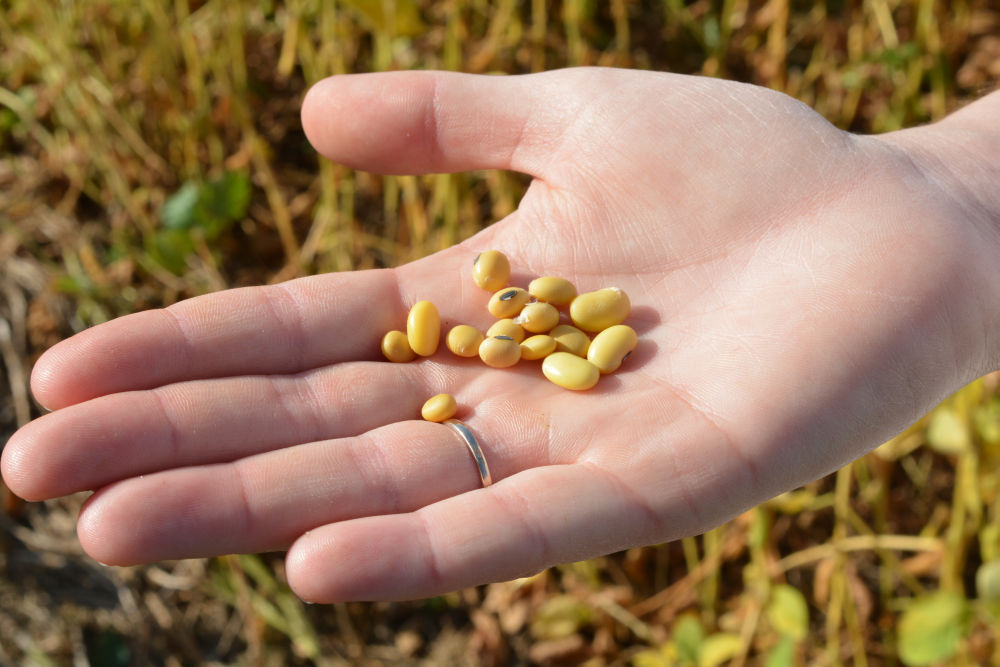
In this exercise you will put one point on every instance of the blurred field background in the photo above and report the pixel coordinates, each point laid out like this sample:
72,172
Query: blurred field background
151,151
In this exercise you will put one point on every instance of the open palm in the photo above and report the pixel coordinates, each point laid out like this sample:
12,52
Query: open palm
787,282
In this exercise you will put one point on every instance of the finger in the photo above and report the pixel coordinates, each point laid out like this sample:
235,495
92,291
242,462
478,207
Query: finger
535,519
286,328
420,122
97,442
263,502
279,328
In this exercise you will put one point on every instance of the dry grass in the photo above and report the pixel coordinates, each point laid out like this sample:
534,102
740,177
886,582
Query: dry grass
107,108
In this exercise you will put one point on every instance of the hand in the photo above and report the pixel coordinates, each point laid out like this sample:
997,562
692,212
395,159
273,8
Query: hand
800,295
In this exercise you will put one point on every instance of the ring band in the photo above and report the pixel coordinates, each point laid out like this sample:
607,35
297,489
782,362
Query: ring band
473,445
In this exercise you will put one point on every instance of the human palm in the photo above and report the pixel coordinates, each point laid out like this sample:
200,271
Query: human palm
787,282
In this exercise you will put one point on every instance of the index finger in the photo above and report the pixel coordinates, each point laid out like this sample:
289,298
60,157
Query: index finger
285,328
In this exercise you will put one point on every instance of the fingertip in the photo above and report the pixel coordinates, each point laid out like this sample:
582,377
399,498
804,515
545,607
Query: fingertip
357,560
45,379
108,547
377,122
16,465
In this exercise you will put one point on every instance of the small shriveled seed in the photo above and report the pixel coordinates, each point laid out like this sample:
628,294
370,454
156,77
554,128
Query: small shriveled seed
570,339
506,327
423,328
570,371
538,317
439,408
464,340
396,347
537,347
500,351
557,291
508,302
610,347
491,270
596,311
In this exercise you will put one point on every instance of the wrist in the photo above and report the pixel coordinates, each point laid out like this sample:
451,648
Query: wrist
959,157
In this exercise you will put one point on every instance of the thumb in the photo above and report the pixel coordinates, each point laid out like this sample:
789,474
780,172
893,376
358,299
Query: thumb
426,122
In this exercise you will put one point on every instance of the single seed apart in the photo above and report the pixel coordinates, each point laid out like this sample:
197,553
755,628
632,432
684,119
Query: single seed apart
538,317
537,347
570,371
596,311
506,327
508,302
439,408
500,351
423,328
463,340
557,291
570,339
611,347
491,270
396,347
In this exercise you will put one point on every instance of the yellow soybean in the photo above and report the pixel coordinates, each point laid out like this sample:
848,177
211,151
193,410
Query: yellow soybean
396,348
610,347
423,328
507,302
438,408
557,291
500,352
596,311
464,340
538,317
491,270
570,339
506,327
570,371
537,347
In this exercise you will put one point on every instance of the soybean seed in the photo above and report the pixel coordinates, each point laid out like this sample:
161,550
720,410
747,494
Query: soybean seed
423,328
557,291
506,327
596,311
570,339
610,347
538,317
500,351
439,408
491,270
507,302
538,347
396,348
464,340
570,371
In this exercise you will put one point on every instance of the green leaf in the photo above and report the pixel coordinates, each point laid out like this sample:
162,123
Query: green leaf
180,211
688,636
782,655
560,617
987,421
654,657
211,207
224,201
788,612
931,628
401,19
988,581
170,249
947,433
719,648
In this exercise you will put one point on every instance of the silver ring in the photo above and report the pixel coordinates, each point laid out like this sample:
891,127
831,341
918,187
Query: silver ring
473,445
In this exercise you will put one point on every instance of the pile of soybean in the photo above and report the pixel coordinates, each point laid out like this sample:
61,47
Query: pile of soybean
528,327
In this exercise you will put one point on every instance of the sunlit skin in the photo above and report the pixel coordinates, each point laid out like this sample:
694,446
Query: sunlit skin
800,295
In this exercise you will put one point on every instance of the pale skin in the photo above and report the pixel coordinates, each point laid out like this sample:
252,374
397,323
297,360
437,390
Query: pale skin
800,295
